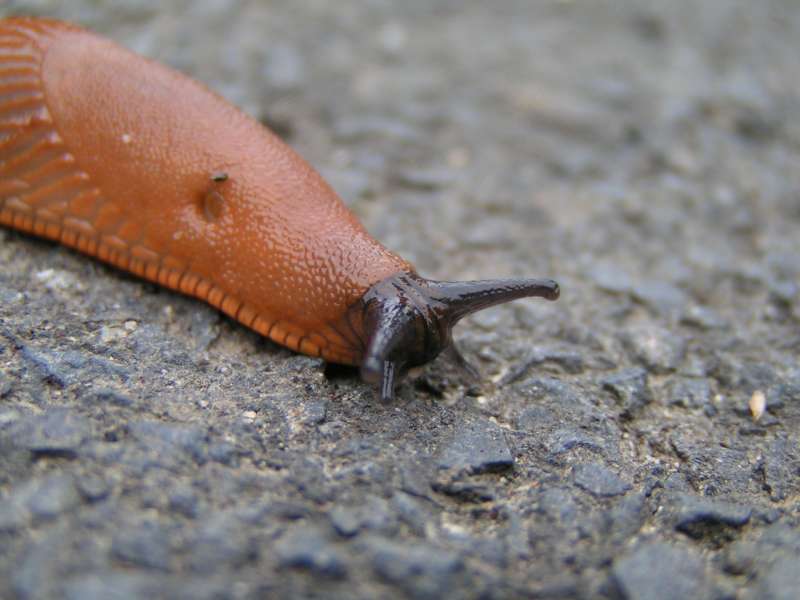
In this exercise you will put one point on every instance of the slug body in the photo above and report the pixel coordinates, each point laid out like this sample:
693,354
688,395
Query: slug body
133,163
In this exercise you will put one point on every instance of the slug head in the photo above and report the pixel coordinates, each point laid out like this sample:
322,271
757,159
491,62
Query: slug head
408,320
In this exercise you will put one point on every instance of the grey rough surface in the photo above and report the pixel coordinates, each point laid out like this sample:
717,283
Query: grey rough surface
659,571
644,153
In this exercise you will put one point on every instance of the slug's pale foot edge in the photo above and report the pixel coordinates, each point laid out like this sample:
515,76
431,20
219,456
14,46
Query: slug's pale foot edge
408,320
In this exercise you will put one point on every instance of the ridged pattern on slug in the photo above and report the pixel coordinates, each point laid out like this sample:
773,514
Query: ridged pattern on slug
121,158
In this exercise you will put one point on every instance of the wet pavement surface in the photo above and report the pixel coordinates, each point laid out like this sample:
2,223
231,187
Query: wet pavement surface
637,439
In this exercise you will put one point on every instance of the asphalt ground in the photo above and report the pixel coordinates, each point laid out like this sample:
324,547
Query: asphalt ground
636,439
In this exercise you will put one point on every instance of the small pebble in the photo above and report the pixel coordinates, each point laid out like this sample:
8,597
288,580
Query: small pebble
477,446
599,481
660,571
306,548
757,404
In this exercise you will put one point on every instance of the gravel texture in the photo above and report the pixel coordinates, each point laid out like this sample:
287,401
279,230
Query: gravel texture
644,153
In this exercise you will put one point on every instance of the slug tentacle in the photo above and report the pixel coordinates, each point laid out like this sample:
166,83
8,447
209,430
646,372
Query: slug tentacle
408,320
464,298
466,367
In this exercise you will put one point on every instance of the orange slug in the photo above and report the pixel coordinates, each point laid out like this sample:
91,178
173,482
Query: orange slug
137,165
